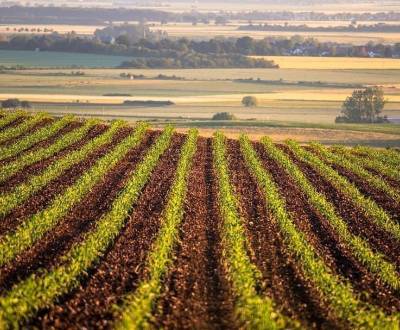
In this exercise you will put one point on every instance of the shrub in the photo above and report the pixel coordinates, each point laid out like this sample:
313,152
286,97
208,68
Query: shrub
223,116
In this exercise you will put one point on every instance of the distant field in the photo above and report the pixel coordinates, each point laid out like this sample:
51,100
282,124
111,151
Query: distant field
231,30
332,63
57,59
202,93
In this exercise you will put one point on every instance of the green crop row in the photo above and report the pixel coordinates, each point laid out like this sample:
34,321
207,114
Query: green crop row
37,136
43,153
369,207
139,305
360,247
338,294
253,310
22,192
37,225
8,118
40,291
354,167
23,127
369,162
386,156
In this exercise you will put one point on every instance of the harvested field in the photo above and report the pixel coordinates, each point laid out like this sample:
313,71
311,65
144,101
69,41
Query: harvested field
107,226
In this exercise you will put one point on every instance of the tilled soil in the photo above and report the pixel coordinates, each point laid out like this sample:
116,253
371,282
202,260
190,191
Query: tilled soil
43,197
38,167
282,276
80,220
91,305
358,223
42,123
45,143
196,293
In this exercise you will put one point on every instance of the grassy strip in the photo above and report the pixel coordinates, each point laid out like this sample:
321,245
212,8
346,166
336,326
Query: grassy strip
367,205
43,153
22,192
35,137
368,162
355,167
40,291
337,293
375,262
255,311
139,305
8,118
40,223
25,126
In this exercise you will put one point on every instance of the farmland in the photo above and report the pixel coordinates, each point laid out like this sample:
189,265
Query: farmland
107,225
302,91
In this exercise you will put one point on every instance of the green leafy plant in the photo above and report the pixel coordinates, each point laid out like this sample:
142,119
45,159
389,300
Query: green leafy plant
40,291
35,156
22,192
337,293
35,137
37,225
139,305
255,311
360,247
23,127
370,208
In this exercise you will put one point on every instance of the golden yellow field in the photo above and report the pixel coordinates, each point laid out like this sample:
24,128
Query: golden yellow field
332,63
231,30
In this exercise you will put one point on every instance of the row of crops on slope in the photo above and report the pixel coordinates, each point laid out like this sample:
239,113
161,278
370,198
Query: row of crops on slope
94,219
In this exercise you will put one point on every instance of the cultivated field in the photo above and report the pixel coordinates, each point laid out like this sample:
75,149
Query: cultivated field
231,30
112,226
312,92
332,63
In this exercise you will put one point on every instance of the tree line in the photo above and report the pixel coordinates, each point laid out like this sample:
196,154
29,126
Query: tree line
178,48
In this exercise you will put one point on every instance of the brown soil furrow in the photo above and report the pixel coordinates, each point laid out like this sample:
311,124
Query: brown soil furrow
326,241
387,203
358,223
90,305
42,123
196,294
283,279
44,196
81,219
38,167
45,143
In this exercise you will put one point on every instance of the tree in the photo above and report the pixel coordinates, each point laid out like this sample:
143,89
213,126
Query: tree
363,106
250,101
